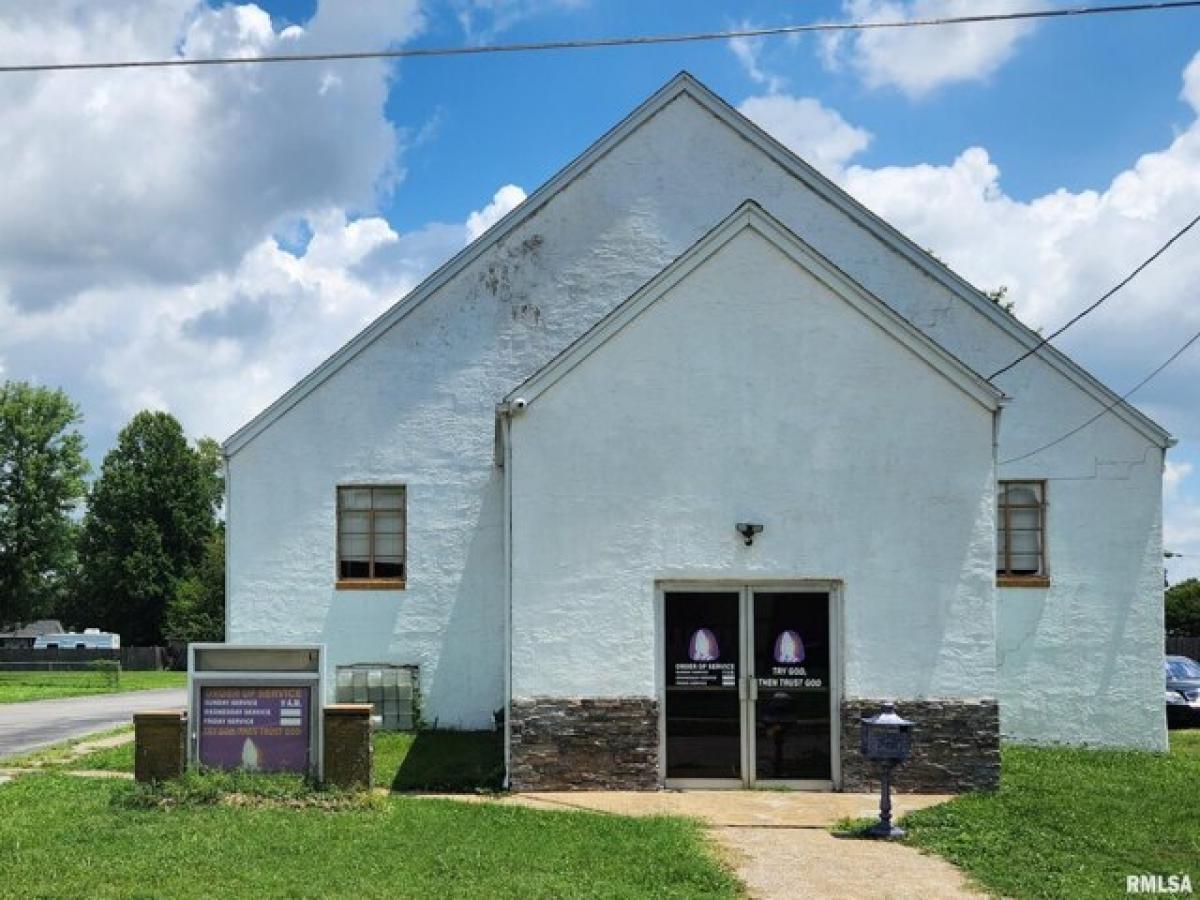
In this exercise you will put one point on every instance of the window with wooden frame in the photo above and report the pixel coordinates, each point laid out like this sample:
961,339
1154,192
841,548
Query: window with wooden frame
371,526
1021,534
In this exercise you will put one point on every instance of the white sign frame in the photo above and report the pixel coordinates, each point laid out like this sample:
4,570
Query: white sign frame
283,677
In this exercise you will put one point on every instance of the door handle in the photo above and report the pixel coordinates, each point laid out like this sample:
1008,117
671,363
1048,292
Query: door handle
747,688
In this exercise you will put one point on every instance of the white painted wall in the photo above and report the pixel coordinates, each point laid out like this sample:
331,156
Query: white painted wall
417,404
751,392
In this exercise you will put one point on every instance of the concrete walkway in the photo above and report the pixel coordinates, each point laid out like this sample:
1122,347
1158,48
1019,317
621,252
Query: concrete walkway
779,845
39,723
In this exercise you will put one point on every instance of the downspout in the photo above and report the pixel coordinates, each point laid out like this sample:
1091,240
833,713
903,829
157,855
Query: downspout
995,589
996,441
226,460
504,460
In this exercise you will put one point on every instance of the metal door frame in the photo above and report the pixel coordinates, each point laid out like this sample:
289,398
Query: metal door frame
835,667
747,679
660,676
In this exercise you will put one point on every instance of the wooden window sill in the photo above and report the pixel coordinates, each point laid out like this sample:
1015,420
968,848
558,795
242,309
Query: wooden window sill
1023,581
369,584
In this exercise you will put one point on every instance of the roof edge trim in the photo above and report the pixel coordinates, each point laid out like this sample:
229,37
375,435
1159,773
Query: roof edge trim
750,214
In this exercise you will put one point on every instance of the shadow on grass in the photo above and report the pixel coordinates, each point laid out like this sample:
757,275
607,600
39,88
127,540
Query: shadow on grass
451,761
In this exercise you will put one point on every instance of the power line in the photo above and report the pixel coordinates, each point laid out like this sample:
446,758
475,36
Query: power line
1124,281
1141,384
628,41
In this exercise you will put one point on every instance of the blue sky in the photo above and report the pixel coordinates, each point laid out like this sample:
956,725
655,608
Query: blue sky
198,240
1079,101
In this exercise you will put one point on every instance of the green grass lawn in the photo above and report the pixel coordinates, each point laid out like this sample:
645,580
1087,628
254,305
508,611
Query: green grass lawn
439,760
1074,823
69,837
17,687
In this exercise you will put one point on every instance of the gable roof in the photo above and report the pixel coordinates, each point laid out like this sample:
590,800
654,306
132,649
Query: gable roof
33,629
681,85
750,216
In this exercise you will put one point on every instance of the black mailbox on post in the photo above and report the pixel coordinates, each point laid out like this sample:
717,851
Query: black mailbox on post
887,740
886,737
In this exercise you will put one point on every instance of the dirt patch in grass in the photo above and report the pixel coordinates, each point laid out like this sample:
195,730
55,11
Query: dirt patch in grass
108,750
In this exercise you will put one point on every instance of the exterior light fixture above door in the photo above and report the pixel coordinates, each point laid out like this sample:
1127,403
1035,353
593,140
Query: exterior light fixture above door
748,530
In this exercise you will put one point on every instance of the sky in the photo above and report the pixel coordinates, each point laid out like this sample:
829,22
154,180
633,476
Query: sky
197,240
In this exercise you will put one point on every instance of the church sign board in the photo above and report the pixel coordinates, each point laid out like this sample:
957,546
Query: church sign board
255,708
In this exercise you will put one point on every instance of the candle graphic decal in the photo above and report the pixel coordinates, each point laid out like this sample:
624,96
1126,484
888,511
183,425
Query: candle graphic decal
789,649
249,756
703,646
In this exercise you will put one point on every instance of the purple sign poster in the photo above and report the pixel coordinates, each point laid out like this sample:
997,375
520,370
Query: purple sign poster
260,729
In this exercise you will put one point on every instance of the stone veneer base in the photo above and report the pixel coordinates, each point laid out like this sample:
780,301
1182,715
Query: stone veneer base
562,743
956,747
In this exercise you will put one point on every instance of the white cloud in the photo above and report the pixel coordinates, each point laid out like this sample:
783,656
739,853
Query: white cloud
158,177
1058,252
1191,83
505,199
483,20
749,54
1173,475
818,134
197,240
920,60
217,350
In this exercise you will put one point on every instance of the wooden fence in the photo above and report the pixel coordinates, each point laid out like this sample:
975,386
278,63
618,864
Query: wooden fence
130,658
1178,645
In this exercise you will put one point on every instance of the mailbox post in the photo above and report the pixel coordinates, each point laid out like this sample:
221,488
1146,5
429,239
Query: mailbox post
887,740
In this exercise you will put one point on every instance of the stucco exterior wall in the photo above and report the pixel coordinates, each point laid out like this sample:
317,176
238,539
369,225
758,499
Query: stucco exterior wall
751,392
417,405
1078,661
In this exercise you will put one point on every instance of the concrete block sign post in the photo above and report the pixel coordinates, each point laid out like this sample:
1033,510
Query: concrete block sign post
160,744
349,761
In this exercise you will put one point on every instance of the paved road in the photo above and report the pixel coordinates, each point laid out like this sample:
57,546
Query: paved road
28,726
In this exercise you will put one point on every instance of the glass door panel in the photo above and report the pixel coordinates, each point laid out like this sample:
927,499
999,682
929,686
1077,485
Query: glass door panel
703,709
792,672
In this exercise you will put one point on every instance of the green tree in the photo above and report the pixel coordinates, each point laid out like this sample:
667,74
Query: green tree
42,470
999,296
150,516
197,611
1183,607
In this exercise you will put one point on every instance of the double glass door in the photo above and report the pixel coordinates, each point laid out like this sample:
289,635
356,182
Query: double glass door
748,696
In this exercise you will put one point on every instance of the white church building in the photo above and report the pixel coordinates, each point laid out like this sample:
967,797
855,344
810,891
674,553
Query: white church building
688,463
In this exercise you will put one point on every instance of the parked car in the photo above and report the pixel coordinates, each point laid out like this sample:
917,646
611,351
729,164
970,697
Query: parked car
1183,692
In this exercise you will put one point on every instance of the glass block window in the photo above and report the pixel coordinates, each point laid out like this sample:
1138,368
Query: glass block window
1021,528
391,690
371,533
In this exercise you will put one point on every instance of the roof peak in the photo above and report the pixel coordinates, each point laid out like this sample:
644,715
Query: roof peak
749,214
680,84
